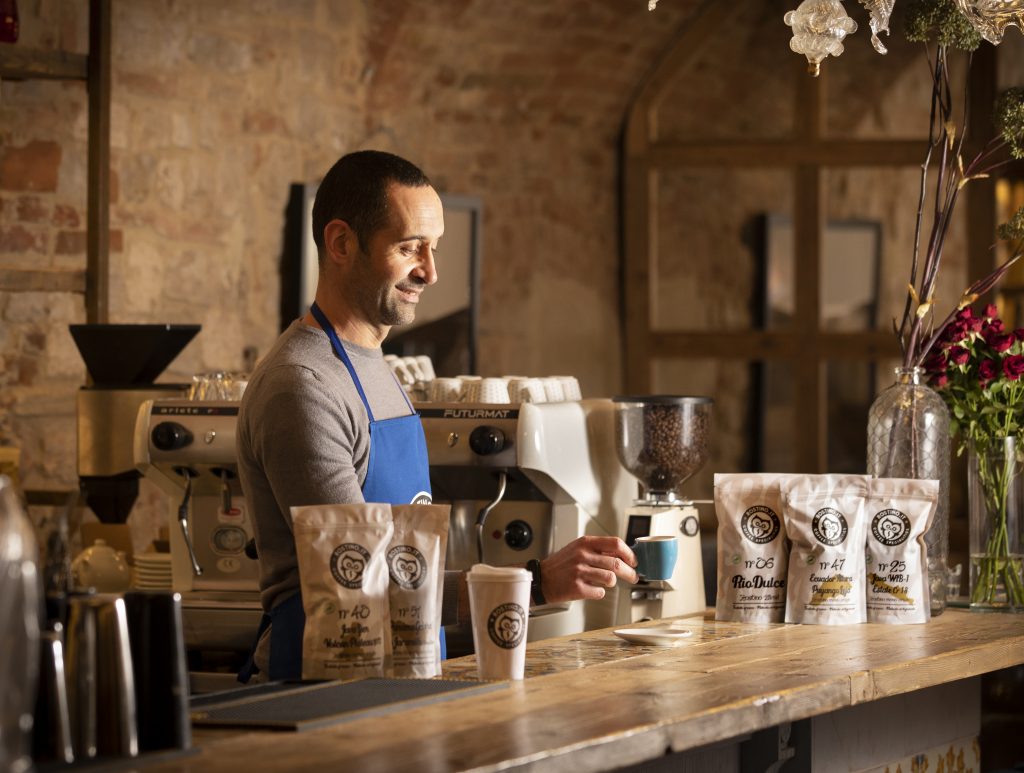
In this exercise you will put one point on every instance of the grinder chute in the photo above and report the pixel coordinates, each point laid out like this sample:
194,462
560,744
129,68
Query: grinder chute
123,362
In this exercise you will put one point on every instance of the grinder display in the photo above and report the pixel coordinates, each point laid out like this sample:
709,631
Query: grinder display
662,440
523,480
123,361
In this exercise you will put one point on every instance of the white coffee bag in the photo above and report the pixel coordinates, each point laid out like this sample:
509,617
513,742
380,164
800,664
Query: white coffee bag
753,552
900,512
825,520
343,573
415,560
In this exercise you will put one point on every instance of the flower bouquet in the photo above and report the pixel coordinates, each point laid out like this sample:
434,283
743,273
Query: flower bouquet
978,368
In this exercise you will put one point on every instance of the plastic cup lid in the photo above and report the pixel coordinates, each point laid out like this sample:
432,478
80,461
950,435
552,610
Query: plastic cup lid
487,573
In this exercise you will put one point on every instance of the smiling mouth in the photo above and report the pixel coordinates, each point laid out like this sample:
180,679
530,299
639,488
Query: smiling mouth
409,296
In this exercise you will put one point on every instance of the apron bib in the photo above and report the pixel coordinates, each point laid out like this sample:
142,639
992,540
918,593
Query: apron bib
398,473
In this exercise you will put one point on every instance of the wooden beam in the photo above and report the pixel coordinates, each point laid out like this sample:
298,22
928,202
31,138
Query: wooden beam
18,64
97,297
981,194
787,153
45,280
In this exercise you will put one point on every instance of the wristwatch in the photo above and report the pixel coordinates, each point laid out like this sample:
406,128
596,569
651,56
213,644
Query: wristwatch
536,593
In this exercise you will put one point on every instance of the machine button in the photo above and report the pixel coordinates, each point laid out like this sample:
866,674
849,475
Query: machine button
518,535
486,441
229,565
170,436
690,526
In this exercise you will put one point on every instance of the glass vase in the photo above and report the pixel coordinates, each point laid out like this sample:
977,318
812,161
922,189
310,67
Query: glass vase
908,437
995,498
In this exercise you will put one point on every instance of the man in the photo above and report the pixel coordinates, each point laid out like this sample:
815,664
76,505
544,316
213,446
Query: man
324,421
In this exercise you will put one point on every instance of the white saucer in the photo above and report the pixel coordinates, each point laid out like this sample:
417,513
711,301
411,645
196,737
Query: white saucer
659,637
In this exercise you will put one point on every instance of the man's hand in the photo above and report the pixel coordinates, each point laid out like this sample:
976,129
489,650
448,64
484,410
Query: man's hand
585,567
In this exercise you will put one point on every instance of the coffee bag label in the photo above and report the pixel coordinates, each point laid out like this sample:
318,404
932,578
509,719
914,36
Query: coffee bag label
343,575
752,548
824,519
901,511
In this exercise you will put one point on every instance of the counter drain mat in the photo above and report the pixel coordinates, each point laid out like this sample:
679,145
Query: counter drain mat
299,707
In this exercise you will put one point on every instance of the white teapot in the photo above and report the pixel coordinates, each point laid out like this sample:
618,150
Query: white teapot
101,567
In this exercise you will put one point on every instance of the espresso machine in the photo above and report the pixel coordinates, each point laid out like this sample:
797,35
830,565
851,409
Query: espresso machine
187,448
523,480
662,440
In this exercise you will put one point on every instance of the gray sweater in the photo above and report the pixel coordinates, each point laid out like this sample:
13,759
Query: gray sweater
303,439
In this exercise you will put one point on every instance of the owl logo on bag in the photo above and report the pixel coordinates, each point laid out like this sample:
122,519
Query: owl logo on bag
760,524
506,625
829,526
407,567
890,527
348,562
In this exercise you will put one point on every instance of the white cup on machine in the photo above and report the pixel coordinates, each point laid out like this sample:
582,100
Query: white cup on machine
526,390
499,603
445,389
570,387
553,389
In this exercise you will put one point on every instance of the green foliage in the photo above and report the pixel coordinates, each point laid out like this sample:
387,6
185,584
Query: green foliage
939,21
1012,230
1008,116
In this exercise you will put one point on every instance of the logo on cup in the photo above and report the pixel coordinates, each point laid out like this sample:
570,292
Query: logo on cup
890,527
760,524
423,498
407,566
507,625
829,526
347,564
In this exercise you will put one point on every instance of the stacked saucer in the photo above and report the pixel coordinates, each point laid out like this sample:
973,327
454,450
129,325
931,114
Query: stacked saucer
152,571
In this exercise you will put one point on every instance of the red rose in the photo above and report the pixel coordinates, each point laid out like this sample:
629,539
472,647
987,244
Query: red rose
936,362
987,371
1019,334
991,312
992,328
1001,343
958,355
966,314
976,324
1013,366
955,331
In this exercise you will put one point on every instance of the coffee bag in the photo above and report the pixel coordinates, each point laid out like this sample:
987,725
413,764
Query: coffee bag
753,552
415,560
343,573
825,520
900,512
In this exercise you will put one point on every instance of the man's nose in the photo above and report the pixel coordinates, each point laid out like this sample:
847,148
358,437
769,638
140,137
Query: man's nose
426,270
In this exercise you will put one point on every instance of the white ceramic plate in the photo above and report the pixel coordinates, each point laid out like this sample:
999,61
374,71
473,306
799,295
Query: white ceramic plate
659,637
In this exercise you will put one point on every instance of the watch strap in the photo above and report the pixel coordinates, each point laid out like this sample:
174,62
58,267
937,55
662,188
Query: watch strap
536,592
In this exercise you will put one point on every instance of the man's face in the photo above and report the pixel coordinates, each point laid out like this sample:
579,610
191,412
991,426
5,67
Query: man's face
398,262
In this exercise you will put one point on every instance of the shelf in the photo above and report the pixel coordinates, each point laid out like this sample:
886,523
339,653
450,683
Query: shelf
16,64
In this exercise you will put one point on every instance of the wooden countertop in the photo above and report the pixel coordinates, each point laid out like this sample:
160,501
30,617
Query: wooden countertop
593,702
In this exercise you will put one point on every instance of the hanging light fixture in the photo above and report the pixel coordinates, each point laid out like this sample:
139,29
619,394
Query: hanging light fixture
819,27
991,17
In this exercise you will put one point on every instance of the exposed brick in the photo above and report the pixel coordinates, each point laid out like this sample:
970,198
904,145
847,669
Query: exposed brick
31,167
70,242
31,209
262,122
65,216
17,238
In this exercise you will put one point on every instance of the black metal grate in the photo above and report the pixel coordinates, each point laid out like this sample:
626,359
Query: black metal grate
304,706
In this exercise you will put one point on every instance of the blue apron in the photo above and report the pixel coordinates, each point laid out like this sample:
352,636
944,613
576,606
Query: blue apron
398,473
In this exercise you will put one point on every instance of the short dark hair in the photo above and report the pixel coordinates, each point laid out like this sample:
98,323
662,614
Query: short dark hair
355,190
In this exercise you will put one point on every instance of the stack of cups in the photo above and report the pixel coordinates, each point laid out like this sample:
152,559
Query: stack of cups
445,390
499,603
526,390
486,390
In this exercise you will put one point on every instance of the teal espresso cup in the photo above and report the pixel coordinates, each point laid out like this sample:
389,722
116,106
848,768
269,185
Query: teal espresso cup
656,556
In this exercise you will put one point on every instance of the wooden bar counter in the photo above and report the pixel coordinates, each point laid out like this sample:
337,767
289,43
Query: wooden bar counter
594,702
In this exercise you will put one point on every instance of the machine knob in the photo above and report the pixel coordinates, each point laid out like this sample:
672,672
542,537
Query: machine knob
486,441
518,535
168,436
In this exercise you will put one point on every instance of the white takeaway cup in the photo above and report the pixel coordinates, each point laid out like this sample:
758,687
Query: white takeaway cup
445,389
499,605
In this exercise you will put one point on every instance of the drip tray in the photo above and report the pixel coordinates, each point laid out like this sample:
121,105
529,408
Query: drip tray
302,706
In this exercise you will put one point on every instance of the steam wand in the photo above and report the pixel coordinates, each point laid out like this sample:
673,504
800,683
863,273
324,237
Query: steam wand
183,520
502,483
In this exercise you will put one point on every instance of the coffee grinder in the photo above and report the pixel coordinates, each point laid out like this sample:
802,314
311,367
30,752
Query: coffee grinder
662,440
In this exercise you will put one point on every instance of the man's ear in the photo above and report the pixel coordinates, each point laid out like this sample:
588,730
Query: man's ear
340,243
